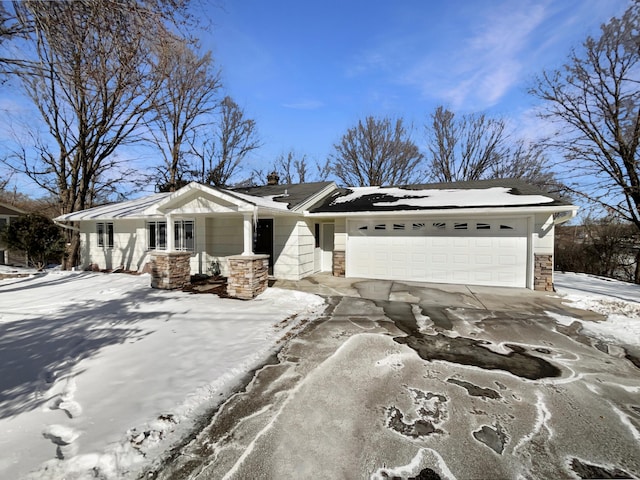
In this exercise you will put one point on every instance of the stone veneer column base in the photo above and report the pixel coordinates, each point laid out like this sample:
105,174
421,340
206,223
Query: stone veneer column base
248,276
338,263
170,270
543,273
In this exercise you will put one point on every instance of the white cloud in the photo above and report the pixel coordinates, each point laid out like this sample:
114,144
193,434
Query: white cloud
488,63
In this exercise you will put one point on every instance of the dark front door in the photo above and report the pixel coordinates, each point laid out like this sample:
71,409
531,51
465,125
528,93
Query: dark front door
264,240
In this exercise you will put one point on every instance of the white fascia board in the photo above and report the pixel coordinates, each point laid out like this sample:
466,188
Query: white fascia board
316,197
450,212
160,207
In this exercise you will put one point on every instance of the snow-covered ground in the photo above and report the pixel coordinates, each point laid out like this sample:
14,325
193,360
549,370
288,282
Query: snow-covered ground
616,300
99,373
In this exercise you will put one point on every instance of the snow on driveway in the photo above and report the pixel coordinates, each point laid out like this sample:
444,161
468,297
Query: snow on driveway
616,300
99,373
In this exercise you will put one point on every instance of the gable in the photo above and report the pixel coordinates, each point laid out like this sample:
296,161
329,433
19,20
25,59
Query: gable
200,203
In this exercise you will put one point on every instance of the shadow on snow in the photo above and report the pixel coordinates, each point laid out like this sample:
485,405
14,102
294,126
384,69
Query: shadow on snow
35,352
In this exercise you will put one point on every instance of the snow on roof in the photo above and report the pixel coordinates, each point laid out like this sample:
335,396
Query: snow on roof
126,209
493,196
478,194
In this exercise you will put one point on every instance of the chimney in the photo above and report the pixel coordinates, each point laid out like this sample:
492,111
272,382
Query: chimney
273,178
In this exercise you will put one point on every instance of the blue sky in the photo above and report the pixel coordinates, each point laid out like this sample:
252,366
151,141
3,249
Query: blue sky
306,71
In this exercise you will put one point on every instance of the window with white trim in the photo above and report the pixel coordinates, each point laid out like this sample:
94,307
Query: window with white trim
184,235
157,235
105,234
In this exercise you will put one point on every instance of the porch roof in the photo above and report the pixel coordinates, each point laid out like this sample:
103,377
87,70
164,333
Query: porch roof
196,198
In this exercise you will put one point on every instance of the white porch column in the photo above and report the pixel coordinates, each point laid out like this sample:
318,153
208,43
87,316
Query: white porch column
170,234
248,234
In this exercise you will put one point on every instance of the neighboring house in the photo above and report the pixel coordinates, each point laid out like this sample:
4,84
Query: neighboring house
497,233
8,257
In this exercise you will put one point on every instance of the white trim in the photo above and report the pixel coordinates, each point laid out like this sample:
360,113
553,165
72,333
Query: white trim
164,205
450,212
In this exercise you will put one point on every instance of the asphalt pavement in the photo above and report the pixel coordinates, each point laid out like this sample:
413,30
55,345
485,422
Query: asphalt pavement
405,380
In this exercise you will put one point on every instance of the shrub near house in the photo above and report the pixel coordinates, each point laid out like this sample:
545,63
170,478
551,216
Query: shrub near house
38,237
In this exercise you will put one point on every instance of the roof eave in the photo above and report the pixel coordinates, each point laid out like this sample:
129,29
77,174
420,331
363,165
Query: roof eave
462,211
315,198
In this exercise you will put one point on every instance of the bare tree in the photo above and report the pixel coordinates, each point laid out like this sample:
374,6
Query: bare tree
293,167
376,152
477,147
188,87
92,85
595,100
234,137
463,148
10,28
527,162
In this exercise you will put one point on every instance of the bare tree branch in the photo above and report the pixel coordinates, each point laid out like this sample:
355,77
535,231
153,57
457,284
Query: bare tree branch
377,152
595,100
234,137
188,87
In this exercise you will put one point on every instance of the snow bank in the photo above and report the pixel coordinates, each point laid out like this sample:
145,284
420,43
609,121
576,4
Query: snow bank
618,301
99,374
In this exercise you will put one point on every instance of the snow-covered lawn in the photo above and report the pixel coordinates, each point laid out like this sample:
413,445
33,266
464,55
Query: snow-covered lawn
99,373
616,300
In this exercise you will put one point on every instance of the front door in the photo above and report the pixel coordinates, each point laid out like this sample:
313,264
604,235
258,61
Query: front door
264,240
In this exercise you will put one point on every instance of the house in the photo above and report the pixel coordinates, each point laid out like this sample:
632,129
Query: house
493,232
8,214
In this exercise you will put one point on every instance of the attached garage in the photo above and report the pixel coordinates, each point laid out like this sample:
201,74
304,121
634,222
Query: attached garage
488,232
478,252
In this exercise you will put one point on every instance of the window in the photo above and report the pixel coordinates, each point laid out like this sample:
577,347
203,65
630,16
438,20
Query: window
418,226
316,234
105,234
380,226
483,226
439,225
398,226
364,227
157,235
3,224
460,226
506,227
184,235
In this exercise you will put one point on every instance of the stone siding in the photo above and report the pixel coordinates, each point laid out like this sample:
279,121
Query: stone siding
248,276
339,269
170,270
543,273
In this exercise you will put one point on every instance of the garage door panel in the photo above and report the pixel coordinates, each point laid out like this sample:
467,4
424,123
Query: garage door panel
490,255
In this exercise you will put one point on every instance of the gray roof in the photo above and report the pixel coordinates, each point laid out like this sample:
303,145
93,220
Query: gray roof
292,194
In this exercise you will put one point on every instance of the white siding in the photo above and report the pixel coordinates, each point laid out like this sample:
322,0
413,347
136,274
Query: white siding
224,237
543,234
340,237
286,263
306,247
129,245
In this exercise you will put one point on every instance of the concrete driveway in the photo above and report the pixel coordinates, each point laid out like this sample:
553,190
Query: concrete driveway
426,381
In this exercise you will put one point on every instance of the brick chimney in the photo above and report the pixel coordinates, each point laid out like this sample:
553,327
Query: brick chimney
273,178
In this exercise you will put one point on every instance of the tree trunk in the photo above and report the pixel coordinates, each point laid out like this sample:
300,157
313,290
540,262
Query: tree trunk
72,258
637,272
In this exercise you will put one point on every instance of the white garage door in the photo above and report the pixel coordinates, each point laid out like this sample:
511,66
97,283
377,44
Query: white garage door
487,252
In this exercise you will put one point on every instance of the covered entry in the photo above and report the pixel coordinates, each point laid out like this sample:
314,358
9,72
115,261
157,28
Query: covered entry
476,252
